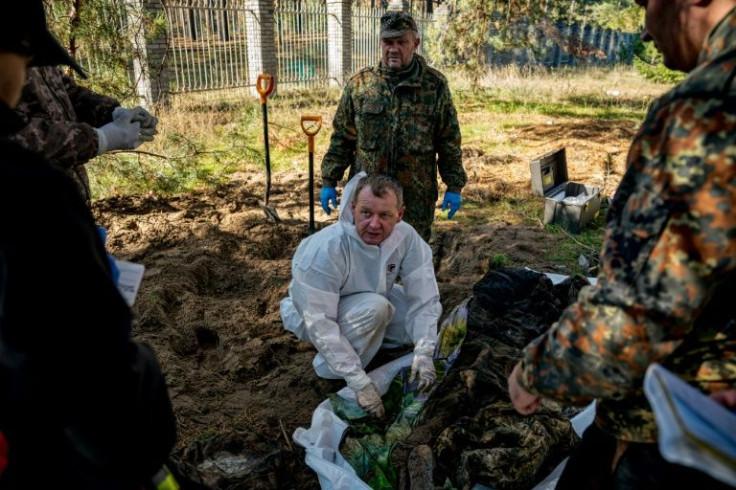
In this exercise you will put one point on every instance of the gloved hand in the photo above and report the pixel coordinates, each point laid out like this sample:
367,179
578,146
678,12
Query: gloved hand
120,134
139,114
451,201
325,196
423,369
110,259
370,401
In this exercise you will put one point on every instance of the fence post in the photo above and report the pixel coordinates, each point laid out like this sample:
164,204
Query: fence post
398,5
585,38
259,23
150,71
339,40
606,43
613,47
558,51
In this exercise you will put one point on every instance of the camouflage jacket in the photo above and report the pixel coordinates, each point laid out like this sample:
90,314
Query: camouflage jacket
60,118
408,132
665,291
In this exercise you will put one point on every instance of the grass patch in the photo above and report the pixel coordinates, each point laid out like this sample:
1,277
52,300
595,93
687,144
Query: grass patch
514,116
570,248
590,106
499,261
205,137
508,211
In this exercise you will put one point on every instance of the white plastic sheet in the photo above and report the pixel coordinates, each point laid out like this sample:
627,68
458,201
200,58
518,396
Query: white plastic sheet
322,440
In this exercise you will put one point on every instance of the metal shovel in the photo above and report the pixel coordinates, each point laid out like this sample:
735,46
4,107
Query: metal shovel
311,126
265,85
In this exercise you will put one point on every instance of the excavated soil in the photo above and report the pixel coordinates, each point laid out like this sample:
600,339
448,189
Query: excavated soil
216,269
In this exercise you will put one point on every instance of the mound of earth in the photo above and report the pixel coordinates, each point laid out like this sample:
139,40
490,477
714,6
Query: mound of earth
216,269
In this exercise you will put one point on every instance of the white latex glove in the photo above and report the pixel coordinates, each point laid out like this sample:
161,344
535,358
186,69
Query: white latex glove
120,134
423,369
370,401
147,121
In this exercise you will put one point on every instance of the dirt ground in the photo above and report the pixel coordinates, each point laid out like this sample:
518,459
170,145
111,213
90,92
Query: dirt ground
216,270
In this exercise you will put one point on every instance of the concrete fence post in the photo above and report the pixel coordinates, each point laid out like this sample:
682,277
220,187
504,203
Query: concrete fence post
150,45
340,40
260,41
398,5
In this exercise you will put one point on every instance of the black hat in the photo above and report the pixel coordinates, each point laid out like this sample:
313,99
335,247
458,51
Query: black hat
24,31
395,23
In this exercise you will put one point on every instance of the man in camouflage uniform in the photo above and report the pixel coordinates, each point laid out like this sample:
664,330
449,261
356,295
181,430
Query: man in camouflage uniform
397,118
70,124
668,266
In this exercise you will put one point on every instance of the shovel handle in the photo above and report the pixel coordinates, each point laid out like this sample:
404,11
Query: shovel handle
312,127
264,90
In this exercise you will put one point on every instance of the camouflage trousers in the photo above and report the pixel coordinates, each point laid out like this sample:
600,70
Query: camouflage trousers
420,212
424,228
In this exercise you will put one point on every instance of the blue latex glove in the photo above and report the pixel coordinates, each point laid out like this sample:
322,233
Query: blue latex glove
325,196
113,267
453,202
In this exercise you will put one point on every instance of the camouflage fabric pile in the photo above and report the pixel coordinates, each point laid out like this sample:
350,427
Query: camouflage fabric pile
467,432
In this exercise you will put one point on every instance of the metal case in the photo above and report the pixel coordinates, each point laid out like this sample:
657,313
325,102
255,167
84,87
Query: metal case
571,205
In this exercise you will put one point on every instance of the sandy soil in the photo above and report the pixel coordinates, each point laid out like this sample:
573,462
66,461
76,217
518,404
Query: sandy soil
216,270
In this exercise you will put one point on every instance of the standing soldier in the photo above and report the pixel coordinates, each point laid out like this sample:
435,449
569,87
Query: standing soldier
397,118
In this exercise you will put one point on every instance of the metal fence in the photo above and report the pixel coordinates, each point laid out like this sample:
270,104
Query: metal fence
562,44
301,43
366,28
207,44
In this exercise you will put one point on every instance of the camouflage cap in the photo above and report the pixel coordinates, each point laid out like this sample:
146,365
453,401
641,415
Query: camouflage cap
395,23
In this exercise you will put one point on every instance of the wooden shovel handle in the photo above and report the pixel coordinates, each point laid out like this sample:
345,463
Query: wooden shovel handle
264,90
311,129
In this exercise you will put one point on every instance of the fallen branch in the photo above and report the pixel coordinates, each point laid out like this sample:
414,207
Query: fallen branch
571,237
577,241
141,152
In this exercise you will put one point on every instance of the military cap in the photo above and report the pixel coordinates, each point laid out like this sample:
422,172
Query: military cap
23,31
395,23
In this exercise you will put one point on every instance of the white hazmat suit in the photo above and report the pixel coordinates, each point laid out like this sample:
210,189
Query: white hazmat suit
343,296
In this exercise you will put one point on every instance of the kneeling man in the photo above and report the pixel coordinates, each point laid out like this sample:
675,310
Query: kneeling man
344,299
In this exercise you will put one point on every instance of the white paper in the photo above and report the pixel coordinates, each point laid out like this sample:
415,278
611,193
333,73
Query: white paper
694,430
131,275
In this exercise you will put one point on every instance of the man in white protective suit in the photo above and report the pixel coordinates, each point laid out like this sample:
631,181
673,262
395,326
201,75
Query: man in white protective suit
344,299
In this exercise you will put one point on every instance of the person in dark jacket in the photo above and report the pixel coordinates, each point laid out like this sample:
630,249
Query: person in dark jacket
82,405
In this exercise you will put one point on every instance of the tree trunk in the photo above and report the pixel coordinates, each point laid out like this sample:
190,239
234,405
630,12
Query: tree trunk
75,21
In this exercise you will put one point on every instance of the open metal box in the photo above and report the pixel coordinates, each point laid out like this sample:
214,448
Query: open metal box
571,205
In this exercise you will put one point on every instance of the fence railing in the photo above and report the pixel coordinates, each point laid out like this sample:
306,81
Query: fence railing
366,28
207,44
301,44
563,44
